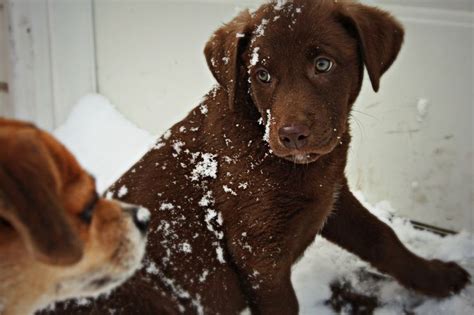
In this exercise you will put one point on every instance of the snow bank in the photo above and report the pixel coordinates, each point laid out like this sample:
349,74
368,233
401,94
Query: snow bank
103,141
107,144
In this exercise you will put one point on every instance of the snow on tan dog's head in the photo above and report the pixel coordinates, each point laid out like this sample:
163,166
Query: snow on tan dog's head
58,238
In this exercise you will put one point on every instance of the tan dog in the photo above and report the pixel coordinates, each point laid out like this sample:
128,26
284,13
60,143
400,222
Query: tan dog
58,239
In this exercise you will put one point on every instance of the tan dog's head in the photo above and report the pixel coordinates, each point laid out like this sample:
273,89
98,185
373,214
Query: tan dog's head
302,63
58,238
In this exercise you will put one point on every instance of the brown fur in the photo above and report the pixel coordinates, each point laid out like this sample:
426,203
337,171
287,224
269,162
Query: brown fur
265,202
47,252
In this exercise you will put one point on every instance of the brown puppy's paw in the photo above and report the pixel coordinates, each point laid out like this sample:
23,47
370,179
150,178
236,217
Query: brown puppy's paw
438,279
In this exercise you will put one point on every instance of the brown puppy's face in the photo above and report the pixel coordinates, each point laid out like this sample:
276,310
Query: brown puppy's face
55,232
304,75
302,62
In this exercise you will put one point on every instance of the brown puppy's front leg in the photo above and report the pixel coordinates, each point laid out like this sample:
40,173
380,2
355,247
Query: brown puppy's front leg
264,269
354,228
272,295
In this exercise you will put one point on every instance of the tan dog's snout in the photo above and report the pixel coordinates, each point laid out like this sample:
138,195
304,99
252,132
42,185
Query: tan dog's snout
140,216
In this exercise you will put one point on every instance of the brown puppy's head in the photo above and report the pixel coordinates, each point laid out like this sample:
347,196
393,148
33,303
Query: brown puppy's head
302,63
58,239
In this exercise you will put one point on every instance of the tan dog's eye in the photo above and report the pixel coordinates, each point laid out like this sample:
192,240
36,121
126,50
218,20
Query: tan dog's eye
264,76
88,211
323,65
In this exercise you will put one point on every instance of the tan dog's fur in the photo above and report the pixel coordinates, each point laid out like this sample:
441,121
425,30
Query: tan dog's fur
47,252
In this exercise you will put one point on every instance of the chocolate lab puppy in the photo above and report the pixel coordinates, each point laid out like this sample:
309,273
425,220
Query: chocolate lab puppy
240,187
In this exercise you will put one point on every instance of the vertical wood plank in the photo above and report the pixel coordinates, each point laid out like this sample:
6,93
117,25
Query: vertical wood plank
4,110
73,53
51,58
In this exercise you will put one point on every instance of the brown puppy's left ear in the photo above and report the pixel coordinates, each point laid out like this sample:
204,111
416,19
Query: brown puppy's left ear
222,52
29,182
380,37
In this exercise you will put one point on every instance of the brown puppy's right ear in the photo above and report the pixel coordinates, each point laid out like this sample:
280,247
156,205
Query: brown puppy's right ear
380,37
222,52
29,182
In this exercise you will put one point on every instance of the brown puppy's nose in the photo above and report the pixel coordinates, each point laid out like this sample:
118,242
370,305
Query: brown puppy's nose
294,136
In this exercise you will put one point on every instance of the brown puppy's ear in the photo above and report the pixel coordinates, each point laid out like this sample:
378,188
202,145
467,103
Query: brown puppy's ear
222,52
29,182
380,38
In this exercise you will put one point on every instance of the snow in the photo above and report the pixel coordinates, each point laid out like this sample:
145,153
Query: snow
102,139
108,149
207,167
166,206
122,191
260,31
279,4
266,135
229,190
207,199
178,146
203,109
255,57
143,215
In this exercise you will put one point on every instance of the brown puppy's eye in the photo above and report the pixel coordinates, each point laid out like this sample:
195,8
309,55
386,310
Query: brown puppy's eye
264,76
323,65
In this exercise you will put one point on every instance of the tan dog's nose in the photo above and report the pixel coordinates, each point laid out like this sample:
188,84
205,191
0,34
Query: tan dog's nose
294,136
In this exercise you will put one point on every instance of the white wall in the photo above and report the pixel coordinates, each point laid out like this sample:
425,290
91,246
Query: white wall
3,60
51,57
150,63
421,160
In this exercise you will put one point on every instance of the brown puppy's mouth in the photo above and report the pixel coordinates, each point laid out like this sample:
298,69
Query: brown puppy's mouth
302,158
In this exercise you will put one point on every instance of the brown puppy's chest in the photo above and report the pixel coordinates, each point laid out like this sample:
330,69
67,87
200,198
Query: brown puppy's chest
277,200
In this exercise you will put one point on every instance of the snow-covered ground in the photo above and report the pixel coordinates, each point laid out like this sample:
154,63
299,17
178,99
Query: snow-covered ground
106,144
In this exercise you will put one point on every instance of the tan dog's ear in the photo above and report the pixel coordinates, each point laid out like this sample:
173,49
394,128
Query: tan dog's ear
29,182
380,37
223,49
